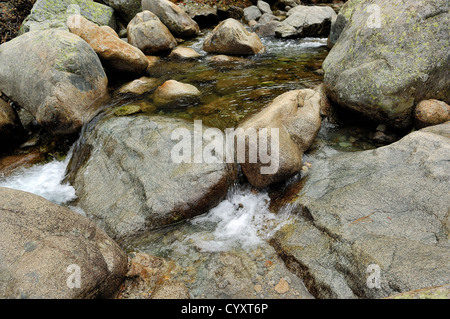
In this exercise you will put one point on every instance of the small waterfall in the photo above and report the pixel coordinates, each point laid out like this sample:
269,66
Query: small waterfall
45,180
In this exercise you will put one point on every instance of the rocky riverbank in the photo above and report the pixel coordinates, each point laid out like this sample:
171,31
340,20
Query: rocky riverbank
355,103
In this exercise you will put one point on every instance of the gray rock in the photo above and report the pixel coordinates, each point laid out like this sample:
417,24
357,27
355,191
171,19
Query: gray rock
149,34
252,13
126,9
178,22
127,182
306,21
40,241
47,14
59,80
264,7
231,37
384,72
387,207
267,29
338,24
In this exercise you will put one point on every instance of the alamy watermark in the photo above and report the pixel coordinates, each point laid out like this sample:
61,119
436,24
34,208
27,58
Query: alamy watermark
374,20
74,279
374,279
239,145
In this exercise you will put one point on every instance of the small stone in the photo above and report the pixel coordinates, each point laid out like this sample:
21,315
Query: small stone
258,288
183,53
282,286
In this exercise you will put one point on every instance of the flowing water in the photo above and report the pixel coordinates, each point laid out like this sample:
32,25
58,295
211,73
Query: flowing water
230,92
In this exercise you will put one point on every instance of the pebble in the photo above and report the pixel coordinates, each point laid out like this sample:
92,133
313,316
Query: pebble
258,288
282,286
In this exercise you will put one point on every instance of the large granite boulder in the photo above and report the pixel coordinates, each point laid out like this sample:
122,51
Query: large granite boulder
383,67
128,181
178,22
49,14
55,76
47,251
374,223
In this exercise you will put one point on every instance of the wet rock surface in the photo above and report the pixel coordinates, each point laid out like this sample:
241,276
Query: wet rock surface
130,195
353,212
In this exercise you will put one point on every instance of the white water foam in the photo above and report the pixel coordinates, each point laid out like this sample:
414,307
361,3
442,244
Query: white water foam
243,220
43,180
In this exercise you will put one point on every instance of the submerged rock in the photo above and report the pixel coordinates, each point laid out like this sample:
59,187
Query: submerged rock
60,80
114,53
139,86
295,115
178,22
231,37
44,247
128,182
375,223
183,53
50,14
149,34
175,94
382,70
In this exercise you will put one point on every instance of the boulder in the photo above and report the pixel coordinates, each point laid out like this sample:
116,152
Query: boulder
384,72
175,94
231,37
134,184
115,54
252,13
149,34
374,223
306,21
44,247
296,116
178,22
47,14
264,7
11,130
431,112
126,9
60,80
